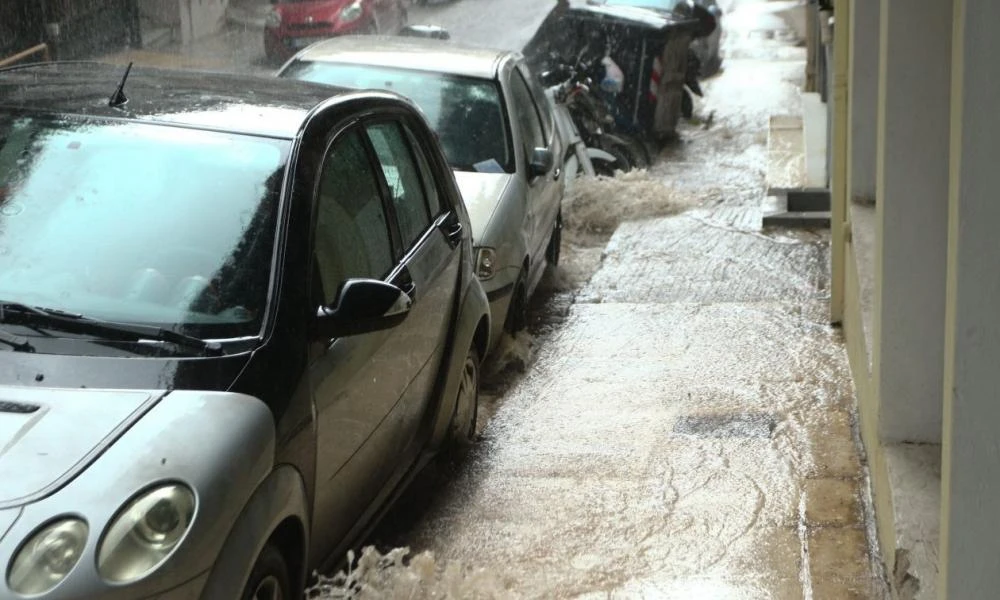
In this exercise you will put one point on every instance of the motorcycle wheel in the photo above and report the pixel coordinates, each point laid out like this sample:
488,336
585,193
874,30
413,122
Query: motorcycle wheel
623,160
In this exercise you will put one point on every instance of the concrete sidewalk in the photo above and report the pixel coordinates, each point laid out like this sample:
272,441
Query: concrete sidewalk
687,429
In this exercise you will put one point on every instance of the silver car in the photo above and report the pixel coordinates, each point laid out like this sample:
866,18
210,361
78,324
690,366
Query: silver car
498,131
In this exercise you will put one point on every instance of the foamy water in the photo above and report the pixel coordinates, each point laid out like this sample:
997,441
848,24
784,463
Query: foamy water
398,574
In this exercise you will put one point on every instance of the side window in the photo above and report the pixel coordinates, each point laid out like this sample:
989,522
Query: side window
541,100
406,188
526,115
427,173
352,232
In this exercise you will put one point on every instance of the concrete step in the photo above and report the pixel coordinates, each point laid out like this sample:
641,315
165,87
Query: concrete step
808,200
815,132
786,164
798,220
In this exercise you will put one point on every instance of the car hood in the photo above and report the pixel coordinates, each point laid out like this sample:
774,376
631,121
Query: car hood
85,423
320,11
482,193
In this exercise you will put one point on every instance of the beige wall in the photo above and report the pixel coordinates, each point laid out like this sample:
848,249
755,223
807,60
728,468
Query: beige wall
164,13
200,18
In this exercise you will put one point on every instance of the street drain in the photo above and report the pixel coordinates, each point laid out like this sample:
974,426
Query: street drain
727,425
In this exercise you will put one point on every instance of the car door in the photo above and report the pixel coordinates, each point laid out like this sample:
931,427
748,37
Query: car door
430,260
543,191
356,381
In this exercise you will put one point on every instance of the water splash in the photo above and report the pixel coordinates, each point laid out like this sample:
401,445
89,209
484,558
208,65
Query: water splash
397,574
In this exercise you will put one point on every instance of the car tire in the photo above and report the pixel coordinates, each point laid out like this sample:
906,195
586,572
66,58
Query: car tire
517,312
462,430
555,242
269,579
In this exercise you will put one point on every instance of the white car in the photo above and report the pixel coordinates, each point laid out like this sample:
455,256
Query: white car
498,131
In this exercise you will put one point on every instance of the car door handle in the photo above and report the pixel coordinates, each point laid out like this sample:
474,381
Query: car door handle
453,231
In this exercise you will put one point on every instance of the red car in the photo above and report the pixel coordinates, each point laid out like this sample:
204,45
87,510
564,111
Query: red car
294,24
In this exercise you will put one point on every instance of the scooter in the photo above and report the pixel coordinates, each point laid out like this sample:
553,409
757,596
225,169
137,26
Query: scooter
572,89
579,157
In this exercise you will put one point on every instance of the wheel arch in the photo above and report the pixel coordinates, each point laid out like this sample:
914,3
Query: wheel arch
473,328
277,512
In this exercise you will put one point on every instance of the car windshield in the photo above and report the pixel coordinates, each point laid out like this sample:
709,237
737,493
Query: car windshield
465,112
139,223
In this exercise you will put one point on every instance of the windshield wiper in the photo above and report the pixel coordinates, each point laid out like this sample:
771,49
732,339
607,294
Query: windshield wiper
23,314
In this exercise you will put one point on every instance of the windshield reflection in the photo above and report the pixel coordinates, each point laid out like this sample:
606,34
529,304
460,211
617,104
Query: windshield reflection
465,112
139,223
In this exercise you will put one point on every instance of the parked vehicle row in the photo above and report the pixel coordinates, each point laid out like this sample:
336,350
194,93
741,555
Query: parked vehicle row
238,315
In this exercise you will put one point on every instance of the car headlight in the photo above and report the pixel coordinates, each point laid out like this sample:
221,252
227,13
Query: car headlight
48,557
273,19
486,263
145,532
352,12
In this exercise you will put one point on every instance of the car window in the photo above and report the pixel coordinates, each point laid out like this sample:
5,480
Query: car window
406,190
430,182
541,101
465,112
526,116
352,232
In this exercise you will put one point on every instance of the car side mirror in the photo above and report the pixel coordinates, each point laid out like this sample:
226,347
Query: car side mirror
541,162
363,306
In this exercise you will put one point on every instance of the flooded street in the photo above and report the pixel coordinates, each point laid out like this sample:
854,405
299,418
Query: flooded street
680,421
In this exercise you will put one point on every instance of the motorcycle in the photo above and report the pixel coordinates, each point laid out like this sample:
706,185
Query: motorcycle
572,88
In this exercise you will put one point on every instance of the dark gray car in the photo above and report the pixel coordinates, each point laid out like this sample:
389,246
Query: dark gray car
236,317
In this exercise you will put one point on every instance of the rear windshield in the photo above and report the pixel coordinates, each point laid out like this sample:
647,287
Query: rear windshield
466,112
139,223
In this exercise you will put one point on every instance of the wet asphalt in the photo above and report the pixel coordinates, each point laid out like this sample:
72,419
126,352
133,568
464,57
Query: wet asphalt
679,421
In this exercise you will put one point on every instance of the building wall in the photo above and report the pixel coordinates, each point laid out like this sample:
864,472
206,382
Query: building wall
200,18
970,530
864,97
164,13
912,223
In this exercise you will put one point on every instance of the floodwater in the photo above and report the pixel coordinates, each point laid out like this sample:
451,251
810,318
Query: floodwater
679,421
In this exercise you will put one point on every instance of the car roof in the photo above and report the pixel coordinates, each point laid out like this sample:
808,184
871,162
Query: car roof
234,103
416,53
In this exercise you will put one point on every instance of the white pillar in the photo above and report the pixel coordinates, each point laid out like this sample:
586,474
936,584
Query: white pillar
970,533
911,247
864,97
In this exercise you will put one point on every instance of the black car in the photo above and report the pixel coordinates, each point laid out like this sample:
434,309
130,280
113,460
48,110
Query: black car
236,316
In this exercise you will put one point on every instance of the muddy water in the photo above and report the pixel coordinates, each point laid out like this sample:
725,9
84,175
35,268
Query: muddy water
678,422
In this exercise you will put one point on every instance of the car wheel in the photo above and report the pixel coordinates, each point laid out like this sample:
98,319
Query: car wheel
463,421
555,242
269,579
517,312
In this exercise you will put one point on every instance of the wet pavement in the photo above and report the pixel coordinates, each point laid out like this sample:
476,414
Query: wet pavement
681,422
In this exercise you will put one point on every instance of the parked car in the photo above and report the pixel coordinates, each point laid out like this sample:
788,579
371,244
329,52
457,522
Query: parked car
236,316
498,131
294,24
707,48
650,48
